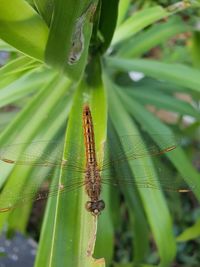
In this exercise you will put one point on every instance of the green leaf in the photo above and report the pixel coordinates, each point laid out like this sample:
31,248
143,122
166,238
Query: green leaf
190,233
194,49
152,124
162,101
27,84
59,44
105,233
108,21
176,73
32,175
122,10
133,265
15,69
23,28
138,223
137,22
157,34
20,131
75,19
45,8
72,226
6,47
153,200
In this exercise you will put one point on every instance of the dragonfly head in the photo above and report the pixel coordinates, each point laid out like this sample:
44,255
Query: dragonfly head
95,207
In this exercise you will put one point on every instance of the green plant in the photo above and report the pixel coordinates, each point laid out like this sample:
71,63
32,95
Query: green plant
51,89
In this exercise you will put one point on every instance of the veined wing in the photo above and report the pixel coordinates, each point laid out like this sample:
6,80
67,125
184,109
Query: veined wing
50,153
167,181
150,183
34,191
131,147
40,153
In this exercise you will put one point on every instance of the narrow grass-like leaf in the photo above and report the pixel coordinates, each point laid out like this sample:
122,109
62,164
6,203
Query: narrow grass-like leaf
194,48
137,221
19,131
137,22
163,101
96,88
58,119
24,86
108,21
152,37
33,175
122,10
23,28
153,201
73,228
176,73
151,124
132,265
153,84
16,68
190,233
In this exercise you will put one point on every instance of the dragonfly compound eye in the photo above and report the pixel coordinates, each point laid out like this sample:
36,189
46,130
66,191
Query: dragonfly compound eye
95,207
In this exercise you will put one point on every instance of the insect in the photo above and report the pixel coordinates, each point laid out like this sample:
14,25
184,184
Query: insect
94,172
77,43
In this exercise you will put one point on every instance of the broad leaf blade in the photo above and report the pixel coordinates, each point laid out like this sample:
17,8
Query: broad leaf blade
108,21
137,22
23,28
73,228
176,73
155,35
69,36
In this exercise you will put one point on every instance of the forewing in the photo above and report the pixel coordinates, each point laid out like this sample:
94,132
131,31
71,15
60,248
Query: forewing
40,153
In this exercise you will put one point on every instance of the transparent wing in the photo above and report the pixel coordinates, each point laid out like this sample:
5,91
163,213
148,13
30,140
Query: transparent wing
34,192
166,181
161,184
50,153
42,153
36,153
131,147
45,153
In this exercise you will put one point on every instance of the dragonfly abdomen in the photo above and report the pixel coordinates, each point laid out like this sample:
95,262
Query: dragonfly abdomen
89,136
92,176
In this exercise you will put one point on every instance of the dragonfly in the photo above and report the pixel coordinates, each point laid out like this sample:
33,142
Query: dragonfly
95,172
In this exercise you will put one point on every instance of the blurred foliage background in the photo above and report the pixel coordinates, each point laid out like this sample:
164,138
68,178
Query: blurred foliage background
137,65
